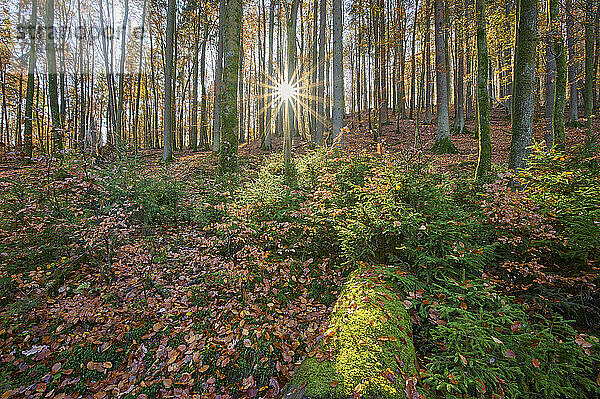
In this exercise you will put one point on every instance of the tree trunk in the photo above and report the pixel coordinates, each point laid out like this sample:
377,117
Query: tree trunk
292,80
483,103
168,111
321,82
459,123
338,76
270,124
232,26
560,90
57,144
119,124
588,93
28,132
193,145
427,52
203,113
443,141
523,100
413,62
139,80
549,91
218,80
383,57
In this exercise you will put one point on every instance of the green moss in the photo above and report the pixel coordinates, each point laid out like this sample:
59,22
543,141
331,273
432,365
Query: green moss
444,146
369,336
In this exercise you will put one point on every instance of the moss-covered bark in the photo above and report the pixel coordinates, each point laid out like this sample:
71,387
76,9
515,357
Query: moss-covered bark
484,161
524,84
369,339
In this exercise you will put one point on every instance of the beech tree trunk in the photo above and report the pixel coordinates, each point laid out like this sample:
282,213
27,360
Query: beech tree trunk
560,90
167,155
338,75
270,124
321,81
573,93
231,65
443,141
119,124
484,161
523,101
588,93
28,132
218,81
193,145
57,144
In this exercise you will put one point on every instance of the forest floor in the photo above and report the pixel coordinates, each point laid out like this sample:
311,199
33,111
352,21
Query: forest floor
397,139
147,280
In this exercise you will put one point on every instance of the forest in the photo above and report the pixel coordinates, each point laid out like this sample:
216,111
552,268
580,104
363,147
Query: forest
300,199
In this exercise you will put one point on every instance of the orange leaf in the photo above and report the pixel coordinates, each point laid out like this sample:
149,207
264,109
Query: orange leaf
203,368
334,384
516,326
535,362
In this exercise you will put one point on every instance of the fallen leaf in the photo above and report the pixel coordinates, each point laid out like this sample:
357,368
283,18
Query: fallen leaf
509,353
516,326
203,368
535,362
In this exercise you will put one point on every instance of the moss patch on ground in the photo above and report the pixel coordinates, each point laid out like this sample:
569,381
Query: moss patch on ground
367,349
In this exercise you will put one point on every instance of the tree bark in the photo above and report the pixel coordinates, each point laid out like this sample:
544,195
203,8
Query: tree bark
139,79
270,124
321,81
193,145
459,123
588,93
168,111
427,52
119,124
203,111
28,132
292,80
560,90
231,65
57,144
338,75
523,100
218,80
413,63
549,91
443,141
484,161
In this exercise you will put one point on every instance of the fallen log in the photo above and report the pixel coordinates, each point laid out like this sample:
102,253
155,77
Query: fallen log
367,350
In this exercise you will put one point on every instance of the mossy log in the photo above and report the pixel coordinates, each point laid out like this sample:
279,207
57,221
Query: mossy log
367,350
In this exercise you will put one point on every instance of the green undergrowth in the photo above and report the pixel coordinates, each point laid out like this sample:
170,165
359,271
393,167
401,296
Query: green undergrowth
476,337
356,267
